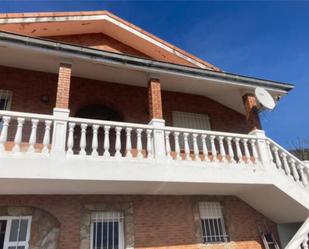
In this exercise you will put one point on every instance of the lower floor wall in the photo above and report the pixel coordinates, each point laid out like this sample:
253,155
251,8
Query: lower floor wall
169,222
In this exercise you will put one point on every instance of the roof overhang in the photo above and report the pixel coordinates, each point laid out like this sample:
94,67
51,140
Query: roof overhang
45,55
71,23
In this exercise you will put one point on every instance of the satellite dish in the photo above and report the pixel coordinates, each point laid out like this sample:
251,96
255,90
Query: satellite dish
265,99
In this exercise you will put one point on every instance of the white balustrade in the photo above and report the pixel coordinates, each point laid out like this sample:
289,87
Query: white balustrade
288,164
213,148
26,133
254,150
119,139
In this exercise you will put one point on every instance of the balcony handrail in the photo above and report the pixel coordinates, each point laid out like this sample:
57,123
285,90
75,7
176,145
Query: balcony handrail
208,132
287,152
27,115
109,123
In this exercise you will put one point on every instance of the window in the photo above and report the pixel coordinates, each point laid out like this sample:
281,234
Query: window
15,232
5,99
213,228
192,121
107,231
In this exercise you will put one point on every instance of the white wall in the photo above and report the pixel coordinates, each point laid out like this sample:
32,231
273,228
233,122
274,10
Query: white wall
287,231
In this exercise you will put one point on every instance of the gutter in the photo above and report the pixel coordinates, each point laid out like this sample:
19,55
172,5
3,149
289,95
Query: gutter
99,56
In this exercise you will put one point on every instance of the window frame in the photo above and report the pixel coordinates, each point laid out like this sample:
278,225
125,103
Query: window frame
9,95
121,225
9,220
216,213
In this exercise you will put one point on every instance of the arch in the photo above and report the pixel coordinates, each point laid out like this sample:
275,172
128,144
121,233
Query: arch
99,111
45,227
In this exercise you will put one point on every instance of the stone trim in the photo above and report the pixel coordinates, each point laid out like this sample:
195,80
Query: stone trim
197,221
125,207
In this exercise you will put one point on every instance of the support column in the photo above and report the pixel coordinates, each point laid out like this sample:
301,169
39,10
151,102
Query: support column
63,88
252,115
61,110
154,98
156,117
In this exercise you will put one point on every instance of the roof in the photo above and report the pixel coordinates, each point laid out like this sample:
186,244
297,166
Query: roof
14,22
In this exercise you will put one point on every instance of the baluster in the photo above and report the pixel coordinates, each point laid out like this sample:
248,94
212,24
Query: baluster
238,150
149,144
70,142
94,144
205,149
186,144
128,143
254,150
195,148
222,149
246,149
294,170
106,141
277,158
230,150
118,142
177,147
286,164
213,148
139,143
269,151
305,242
46,138
83,139
32,139
167,144
4,132
303,175
18,135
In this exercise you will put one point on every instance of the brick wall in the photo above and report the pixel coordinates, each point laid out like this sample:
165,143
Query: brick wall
159,221
130,102
63,86
99,41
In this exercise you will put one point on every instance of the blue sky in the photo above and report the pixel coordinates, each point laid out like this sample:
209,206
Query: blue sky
263,39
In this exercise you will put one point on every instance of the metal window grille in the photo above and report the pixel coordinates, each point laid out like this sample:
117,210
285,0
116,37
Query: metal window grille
191,121
213,227
5,99
107,230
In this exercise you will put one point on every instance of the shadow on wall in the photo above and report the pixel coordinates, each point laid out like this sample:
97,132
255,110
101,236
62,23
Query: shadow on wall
45,228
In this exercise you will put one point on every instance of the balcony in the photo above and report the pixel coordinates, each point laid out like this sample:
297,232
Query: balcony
53,154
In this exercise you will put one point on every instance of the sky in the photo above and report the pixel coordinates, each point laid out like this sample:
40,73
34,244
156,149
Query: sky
262,39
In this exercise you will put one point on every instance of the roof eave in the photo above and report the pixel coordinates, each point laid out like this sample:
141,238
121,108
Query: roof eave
95,55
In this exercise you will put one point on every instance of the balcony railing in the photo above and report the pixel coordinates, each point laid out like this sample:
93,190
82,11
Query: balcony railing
26,134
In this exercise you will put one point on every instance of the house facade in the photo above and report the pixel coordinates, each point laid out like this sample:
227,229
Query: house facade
112,138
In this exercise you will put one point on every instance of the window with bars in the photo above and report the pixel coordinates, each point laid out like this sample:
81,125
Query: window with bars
212,222
192,121
15,232
107,230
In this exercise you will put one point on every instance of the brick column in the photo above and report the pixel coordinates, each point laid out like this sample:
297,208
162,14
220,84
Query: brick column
63,88
252,115
154,98
61,111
